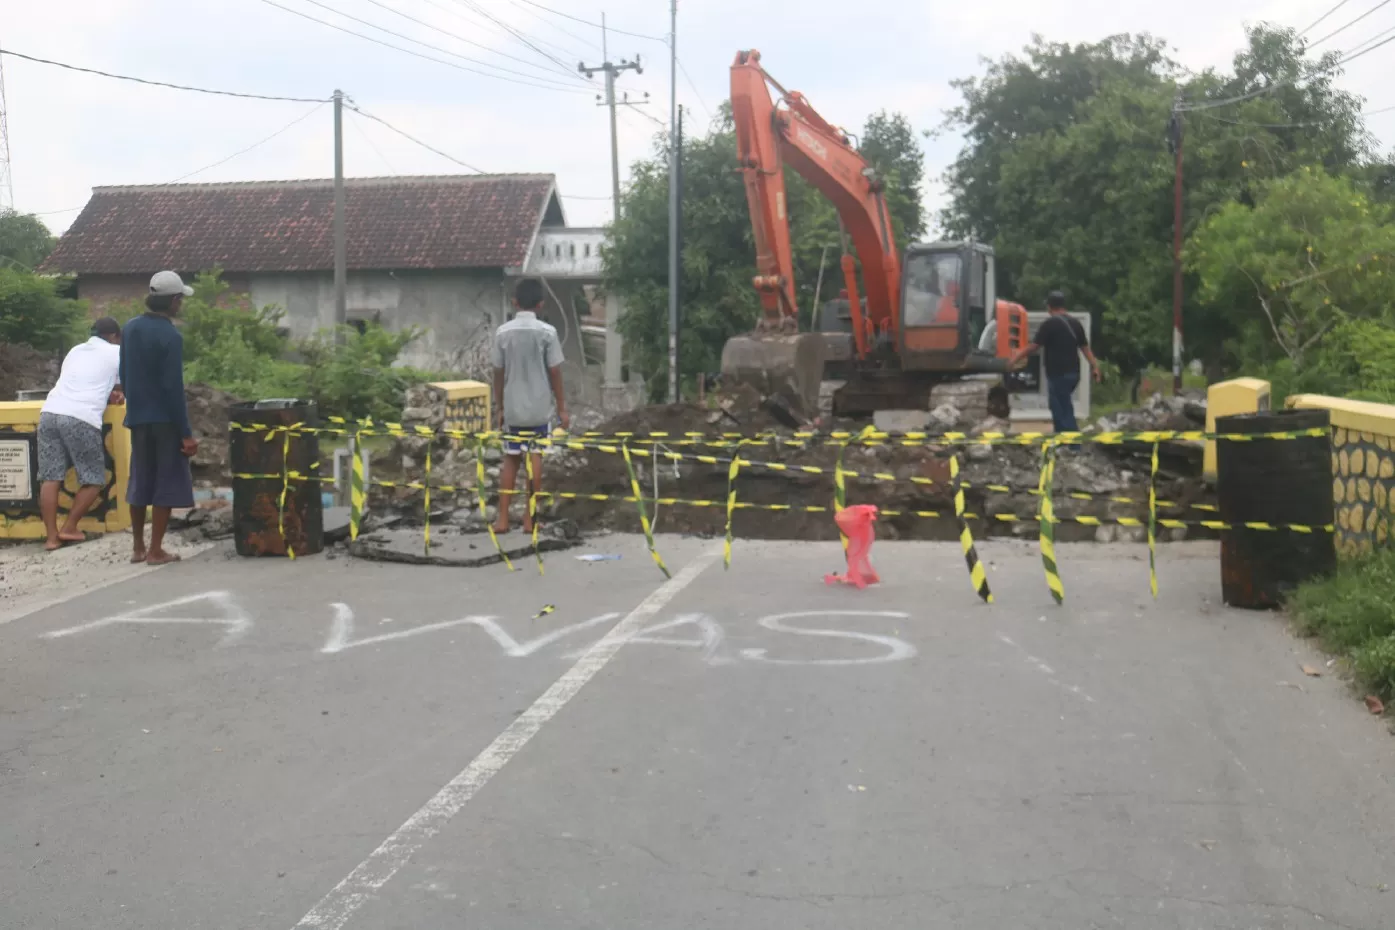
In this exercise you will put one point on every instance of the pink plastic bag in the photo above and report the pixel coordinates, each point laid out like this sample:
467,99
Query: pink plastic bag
856,523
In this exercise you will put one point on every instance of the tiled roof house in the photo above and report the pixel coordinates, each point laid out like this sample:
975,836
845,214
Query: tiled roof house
432,252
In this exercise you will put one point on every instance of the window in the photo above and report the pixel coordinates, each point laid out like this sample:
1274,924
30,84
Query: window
931,290
571,250
586,250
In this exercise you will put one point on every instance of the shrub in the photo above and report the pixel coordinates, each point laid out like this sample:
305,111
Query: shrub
350,374
32,313
1350,614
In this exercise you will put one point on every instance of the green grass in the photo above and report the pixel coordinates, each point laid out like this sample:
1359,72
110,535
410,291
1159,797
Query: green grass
1351,615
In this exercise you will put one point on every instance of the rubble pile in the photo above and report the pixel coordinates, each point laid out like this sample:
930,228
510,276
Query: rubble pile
1104,473
208,415
1108,482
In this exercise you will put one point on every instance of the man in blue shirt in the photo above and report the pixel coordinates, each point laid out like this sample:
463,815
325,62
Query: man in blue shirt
152,374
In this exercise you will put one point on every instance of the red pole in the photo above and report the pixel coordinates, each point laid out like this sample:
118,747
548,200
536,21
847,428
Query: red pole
1177,260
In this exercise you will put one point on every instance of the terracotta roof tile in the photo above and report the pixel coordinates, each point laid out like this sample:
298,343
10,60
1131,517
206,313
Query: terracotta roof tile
468,221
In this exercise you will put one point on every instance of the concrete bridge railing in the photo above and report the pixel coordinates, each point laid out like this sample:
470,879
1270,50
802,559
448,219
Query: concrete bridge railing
1363,469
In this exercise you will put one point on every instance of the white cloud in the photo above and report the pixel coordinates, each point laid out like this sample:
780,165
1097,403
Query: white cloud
70,132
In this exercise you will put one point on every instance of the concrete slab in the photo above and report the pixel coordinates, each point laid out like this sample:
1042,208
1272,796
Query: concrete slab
744,748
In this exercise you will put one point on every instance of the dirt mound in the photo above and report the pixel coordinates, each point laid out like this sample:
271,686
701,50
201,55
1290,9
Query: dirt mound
738,410
25,369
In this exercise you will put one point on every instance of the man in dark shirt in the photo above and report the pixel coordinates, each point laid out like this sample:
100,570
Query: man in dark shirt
1060,339
152,373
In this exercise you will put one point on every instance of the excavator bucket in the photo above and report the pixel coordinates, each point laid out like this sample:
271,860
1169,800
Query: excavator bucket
784,368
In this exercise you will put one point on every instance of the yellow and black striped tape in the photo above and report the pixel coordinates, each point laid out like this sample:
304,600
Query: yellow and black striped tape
977,576
802,439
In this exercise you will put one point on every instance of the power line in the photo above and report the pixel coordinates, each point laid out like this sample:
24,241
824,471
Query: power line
1269,89
564,31
136,80
362,134
459,38
295,122
587,22
1348,25
1352,52
412,138
550,85
696,92
512,31
222,161
1304,125
1309,27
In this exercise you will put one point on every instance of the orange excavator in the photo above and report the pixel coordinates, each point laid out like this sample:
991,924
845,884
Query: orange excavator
925,318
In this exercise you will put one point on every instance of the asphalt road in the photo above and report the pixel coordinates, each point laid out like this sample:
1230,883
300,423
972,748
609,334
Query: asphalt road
341,744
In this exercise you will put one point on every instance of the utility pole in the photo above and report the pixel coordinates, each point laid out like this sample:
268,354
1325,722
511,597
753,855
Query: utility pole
614,347
7,184
341,275
1175,140
673,204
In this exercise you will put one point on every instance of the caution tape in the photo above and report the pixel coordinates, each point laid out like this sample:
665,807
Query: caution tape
1046,517
839,475
358,494
731,508
797,439
644,515
977,576
1153,525
532,506
1046,537
1133,522
480,478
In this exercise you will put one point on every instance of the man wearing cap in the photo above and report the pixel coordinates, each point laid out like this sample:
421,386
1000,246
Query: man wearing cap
70,429
1061,339
152,374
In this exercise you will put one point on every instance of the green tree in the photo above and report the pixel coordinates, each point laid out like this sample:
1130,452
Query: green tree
717,300
1311,254
1067,171
31,312
24,240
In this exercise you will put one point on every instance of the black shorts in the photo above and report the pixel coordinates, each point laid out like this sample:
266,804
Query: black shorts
160,475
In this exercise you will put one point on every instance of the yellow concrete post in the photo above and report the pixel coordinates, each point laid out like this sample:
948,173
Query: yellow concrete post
19,488
467,405
1224,398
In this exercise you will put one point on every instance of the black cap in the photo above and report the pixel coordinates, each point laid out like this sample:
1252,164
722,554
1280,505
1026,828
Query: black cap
106,326
1056,300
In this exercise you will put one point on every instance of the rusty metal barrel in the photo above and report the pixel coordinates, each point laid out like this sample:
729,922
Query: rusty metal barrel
263,449
1278,483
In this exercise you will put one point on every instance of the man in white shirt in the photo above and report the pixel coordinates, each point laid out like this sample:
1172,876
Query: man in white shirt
70,429
527,359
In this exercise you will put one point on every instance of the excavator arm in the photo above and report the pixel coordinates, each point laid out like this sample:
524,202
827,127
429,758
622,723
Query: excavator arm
770,135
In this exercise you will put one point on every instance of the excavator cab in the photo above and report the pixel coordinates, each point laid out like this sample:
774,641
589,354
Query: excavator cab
947,289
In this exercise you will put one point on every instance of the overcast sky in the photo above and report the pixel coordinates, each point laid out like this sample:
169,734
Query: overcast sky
71,132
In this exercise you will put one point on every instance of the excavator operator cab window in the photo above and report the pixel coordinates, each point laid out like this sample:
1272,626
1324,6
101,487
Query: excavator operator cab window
932,281
978,296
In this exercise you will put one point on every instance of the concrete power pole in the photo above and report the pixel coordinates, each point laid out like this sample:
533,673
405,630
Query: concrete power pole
614,348
341,275
7,184
673,204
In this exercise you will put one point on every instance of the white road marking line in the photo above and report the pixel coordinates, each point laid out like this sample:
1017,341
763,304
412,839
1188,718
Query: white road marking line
342,628
336,908
234,618
1046,670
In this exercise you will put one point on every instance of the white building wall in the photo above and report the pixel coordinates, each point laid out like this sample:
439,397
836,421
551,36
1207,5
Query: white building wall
455,309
